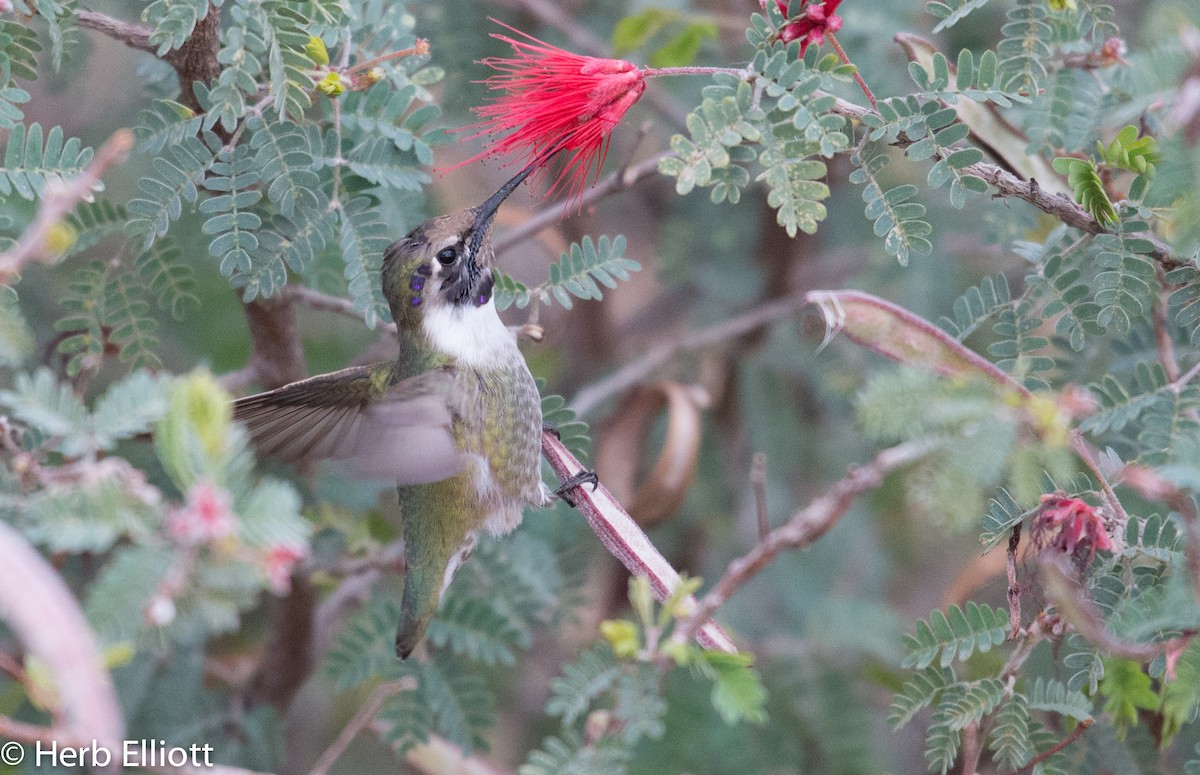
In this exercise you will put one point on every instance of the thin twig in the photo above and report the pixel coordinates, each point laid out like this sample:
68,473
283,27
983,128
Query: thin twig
1074,735
857,76
58,200
421,48
359,722
1162,338
1014,587
758,483
1187,377
1086,453
633,372
803,529
1009,185
132,35
972,747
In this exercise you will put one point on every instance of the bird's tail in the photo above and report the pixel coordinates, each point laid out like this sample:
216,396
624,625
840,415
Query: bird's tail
434,547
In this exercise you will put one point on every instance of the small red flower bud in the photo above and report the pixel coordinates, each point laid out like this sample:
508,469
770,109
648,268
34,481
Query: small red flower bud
817,19
1071,526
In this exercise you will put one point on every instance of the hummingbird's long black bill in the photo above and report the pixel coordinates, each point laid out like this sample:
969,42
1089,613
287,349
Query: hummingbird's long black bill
486,211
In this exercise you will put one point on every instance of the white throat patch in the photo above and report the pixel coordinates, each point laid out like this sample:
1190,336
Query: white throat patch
473,335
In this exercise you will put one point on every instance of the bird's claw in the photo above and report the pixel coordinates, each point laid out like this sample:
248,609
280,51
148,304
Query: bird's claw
578,480
551,428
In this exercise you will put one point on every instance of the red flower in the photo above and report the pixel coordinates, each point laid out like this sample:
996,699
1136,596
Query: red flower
1068,524
206,518
554,100
818,19
278,565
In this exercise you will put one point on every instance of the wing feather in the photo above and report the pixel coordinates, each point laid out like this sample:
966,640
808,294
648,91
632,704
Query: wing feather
399,430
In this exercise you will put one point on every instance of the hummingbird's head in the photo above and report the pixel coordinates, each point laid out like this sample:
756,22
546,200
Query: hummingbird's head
446,261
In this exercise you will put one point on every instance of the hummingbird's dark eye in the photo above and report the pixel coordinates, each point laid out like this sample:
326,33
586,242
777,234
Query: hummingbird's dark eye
447,256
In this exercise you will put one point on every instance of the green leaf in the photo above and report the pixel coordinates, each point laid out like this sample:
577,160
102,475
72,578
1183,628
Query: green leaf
572,432
175,179
16,339
363,649
364,236
19,48
287,64
1055,697
461,704
738,693
1009,738
285,164
174,20
473,629
977,305
918,692
116,601
1129,152
956,635
578,271
1003,513
897,220
129,407
1126,689
165,123
232,224
30,160
168,278
590,676
51,407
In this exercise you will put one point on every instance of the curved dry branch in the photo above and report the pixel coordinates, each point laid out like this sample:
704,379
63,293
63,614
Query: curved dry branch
38,607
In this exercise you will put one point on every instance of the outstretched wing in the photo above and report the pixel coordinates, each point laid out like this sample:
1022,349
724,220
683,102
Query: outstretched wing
381,429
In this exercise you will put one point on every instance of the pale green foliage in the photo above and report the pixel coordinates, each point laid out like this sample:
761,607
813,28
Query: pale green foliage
976,305
15,337
955,635
896,219
129,407
1127,279
952,12
174,21
921,689
1002,514
364,236
572,432
791,125
576,274
31,159
1025,47
1087,187
105,304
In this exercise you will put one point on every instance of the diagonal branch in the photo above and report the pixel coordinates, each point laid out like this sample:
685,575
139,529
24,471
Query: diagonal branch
803,529
591,396
58,200
626,541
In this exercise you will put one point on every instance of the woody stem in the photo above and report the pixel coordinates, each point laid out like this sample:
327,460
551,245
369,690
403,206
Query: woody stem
655,72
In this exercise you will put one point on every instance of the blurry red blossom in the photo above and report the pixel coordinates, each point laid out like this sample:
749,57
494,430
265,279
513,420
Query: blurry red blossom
206,517
278,565
818,18
1070,526
554,100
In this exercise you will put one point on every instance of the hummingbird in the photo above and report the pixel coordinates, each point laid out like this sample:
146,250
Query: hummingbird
455,420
